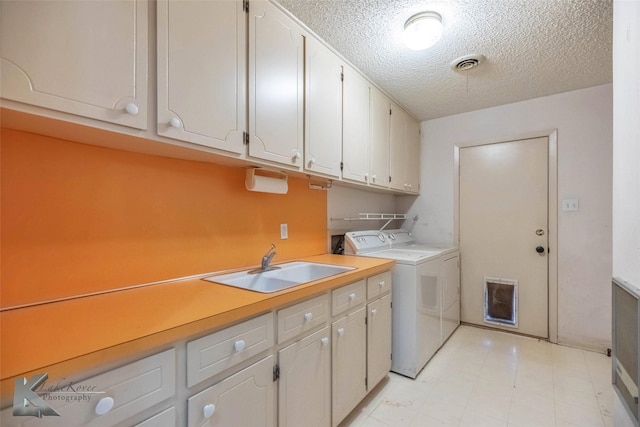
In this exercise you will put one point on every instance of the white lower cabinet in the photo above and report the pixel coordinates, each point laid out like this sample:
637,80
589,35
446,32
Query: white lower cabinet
378,340
304,390
163,419
349,355
305,364
107,399
246,398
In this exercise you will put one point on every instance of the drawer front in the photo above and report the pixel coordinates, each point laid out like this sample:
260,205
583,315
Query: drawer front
378,285
163,419
246,398
117,394
301,317
347,297
214,353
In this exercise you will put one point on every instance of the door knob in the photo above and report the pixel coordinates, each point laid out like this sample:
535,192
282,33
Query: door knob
540,249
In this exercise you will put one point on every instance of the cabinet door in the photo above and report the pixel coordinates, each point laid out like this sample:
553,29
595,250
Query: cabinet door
304,392
243,399
276,86
379,148
378,340
349,363
323,115
355,131
202,72
398,148
413,157
81,57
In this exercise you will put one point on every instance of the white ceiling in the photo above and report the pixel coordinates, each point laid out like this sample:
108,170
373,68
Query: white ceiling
533,48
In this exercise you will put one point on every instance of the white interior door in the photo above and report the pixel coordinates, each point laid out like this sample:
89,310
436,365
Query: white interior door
504,229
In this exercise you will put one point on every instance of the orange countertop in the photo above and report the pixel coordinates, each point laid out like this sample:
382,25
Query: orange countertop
87,331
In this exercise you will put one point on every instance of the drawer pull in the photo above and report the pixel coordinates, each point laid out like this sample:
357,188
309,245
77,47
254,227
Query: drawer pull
374,311
131,108
324,341
175,122
308,317
352,296
239,345
340,332
208,410
105,405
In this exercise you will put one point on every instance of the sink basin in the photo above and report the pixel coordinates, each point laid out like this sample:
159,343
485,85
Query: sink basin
286,276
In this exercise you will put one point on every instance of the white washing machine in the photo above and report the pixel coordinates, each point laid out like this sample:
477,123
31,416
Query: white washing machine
418,292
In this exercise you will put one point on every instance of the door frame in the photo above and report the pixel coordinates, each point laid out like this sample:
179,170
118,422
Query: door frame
552,136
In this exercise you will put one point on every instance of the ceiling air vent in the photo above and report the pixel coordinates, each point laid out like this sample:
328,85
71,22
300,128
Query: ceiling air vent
467,62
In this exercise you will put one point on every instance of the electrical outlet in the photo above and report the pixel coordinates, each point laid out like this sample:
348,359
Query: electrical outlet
284,231
570,205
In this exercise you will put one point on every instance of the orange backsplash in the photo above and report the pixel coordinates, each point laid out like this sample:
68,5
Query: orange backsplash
79,219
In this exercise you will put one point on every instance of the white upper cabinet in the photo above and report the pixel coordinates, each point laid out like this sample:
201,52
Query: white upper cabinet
404,151
82,57
355,127
380,108
202,72
413,157
323,114
276,86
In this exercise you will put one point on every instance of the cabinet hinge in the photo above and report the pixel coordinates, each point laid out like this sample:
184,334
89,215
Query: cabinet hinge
366,320
276,372
245,138
245,6
366,383
341,166
341,77
389,111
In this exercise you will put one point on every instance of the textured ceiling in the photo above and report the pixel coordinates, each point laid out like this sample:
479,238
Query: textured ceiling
533,48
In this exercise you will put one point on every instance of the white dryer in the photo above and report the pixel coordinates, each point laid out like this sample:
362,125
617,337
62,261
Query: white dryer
425,310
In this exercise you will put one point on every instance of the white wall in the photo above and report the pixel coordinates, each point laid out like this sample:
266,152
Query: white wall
583,120
347,202
626,141
626,155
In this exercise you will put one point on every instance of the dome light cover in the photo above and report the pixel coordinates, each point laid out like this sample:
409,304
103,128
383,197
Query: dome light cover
422,30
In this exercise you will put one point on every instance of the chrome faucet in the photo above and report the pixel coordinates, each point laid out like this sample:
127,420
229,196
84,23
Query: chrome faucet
266,259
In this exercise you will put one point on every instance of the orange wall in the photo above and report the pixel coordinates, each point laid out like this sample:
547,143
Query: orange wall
78,218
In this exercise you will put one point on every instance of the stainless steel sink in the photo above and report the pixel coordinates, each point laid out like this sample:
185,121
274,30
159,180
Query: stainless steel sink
286,276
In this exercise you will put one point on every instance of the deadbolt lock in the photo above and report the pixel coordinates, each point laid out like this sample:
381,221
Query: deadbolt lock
539,232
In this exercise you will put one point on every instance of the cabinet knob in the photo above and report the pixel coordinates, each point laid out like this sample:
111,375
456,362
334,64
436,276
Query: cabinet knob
373,178
208,410
340,331
308,317
381,283
366,177
175,122
296,155
312,160
374,311
105,405
131,108
352,296
324,341
239,345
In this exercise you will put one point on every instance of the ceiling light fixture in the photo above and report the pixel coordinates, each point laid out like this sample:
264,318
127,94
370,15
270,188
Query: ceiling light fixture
422,30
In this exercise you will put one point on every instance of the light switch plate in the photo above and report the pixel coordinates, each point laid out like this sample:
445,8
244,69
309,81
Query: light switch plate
284,231
570,205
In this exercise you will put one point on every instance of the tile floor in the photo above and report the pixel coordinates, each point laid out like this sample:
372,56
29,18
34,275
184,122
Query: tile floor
488,378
